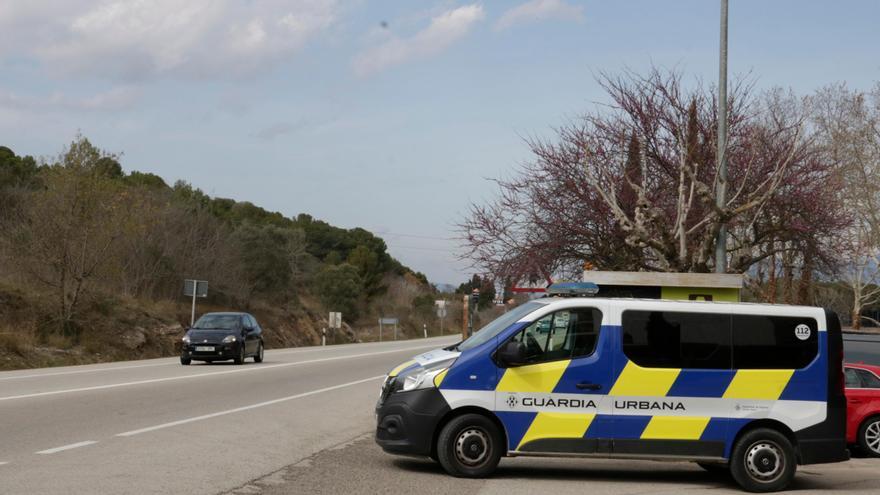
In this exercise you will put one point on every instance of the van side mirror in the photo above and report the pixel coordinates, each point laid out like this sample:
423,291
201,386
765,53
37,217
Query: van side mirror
512,354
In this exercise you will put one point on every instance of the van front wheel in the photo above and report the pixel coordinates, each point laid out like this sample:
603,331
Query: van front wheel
470,446
763,460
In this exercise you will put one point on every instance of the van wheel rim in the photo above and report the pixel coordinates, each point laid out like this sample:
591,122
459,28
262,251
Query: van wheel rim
765,461
872,436
472,446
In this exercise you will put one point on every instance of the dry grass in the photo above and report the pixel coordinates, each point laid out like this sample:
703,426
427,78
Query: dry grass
18,340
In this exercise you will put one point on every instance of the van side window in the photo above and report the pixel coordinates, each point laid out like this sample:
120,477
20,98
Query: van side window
564,334
773,342
667,339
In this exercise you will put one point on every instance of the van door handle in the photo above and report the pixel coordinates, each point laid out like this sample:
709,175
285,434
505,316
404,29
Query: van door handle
588,386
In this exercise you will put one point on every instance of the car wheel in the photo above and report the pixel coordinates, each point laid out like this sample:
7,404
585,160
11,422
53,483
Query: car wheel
869,436
763,460
185,361
470,446
240,358
258,357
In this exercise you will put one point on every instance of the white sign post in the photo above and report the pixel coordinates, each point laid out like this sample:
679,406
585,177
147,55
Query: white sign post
388,321
194,288
441,312
334,320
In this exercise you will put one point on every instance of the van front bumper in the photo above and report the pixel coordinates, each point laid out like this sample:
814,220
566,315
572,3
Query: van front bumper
406,421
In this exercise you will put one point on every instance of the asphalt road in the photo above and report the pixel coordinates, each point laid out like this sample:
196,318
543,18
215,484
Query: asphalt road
301,422
158,427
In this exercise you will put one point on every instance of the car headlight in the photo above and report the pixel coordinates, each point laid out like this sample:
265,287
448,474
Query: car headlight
186,339
229,339
421,379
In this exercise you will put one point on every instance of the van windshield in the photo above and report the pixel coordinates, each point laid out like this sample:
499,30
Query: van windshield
495,327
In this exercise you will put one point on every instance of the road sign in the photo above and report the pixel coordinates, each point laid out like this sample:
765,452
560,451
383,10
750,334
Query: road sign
201,288
335,320
388,321
194,289
441,312
440,303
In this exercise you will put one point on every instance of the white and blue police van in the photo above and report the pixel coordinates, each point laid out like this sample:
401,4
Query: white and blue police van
753,388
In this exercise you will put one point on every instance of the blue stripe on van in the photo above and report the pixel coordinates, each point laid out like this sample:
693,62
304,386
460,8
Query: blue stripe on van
598,368
619,427
516,424
701,383
811,383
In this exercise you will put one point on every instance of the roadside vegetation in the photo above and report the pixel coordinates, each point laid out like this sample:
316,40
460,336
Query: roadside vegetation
92,263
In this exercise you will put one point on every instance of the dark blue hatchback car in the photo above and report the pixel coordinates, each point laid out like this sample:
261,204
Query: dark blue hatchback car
221,337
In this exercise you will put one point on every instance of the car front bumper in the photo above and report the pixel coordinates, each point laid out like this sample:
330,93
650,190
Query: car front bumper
407,421
219,353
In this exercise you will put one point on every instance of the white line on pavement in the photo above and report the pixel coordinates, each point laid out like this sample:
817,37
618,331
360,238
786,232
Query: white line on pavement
76,372
245,408
4,462
208,374
67,447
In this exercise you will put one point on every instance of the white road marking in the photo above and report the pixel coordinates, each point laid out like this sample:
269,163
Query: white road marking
77,372
208,374
245,408
3,462
67,447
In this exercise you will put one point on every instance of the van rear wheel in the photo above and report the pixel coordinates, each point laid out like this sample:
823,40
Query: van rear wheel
470,446
763,460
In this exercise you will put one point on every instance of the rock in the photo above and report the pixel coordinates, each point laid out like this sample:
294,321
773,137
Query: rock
134,339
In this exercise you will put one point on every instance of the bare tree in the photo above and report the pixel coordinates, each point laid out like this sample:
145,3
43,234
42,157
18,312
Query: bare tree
849,126
631,185
68,228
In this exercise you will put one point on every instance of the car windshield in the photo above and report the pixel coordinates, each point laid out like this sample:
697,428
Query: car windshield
495,327
224,322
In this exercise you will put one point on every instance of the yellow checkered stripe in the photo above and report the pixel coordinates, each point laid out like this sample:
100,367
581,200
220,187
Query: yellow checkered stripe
633,381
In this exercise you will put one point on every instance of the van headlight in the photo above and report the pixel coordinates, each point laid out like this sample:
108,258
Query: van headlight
424,378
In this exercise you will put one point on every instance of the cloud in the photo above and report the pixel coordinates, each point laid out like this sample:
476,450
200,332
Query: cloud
279,129
538,10
443,31
115,99
141,39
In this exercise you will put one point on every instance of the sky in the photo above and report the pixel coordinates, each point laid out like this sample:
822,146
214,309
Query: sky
389,115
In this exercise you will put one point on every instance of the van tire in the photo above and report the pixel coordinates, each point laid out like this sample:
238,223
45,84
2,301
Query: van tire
470,446
763,460
870,428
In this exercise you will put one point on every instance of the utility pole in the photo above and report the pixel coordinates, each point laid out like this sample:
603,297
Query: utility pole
721,184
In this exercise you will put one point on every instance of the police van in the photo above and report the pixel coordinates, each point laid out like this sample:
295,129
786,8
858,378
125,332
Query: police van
753,388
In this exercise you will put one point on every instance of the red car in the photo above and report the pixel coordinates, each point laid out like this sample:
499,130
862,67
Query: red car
863,407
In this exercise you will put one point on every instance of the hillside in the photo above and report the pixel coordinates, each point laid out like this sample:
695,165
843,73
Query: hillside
92,263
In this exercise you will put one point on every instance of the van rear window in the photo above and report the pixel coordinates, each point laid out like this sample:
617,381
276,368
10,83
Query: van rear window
668,339
774,342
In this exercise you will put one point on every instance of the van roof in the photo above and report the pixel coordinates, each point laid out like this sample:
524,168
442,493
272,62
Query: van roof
551,300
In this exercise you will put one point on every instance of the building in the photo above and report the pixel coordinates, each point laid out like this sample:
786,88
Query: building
664,285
